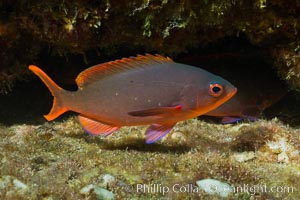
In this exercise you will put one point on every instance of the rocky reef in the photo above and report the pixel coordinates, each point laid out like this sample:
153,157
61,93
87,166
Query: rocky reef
251,43
28,29
59,161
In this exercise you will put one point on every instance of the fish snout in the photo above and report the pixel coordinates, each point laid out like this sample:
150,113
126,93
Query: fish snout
230,91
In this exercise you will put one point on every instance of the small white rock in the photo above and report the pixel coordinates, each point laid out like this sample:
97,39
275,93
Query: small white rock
244,156
19,185
87,189
215,187
107,179
11,184
178,136
294,153
103,194
283,157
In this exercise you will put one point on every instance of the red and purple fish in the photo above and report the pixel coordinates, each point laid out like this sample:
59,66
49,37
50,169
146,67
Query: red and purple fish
140,90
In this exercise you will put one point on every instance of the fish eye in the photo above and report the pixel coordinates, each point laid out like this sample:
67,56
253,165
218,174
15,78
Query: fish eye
215,89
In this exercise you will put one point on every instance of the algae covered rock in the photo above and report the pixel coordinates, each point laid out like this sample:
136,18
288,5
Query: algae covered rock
29,29
215,187
73,164
98,192
12,187
287,63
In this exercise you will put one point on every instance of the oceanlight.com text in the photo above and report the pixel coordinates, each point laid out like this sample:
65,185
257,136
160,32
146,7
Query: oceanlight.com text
258,189
191,188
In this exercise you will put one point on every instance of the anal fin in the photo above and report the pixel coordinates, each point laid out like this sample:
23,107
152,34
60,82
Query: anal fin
157,131
93,127
231,120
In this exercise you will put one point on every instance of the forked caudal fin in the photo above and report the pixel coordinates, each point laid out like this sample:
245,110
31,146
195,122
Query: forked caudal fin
58,107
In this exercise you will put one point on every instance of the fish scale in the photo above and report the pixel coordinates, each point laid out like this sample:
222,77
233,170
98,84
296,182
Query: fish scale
141,90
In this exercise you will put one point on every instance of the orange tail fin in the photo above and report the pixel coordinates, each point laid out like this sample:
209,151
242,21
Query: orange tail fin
58,93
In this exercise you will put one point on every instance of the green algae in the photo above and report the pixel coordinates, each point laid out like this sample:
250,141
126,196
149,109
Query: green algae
57,160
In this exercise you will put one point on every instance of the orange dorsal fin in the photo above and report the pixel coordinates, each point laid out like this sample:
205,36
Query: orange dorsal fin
97,72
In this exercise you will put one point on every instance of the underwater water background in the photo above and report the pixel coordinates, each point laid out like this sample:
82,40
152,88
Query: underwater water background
59,160
255,45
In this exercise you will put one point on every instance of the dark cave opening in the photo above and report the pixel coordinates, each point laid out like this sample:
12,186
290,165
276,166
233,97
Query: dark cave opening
234,58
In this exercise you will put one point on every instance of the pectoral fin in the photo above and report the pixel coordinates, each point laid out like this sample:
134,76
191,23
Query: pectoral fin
156,111
157,131
96,128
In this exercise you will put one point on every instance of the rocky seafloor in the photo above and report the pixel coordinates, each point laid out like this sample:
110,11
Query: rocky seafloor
59,161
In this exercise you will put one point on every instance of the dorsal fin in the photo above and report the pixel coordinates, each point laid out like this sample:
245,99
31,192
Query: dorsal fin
97,72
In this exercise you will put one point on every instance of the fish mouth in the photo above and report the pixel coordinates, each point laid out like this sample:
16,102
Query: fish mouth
233,90
230,94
